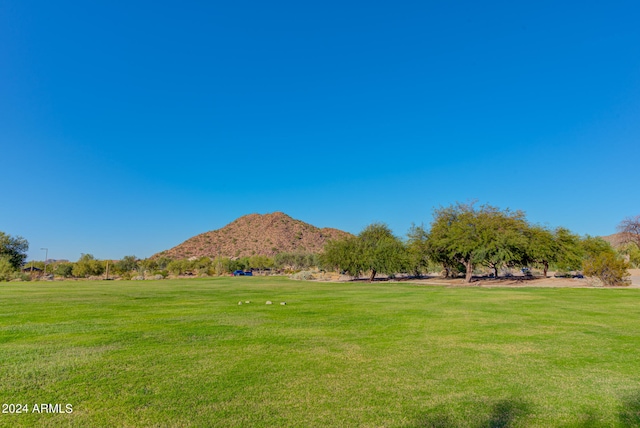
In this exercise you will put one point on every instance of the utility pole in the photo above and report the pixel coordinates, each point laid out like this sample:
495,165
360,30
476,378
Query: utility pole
46,257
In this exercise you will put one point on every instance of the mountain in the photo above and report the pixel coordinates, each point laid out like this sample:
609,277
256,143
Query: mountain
617,239
256,234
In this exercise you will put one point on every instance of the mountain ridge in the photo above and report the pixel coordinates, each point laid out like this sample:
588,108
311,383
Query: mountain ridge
617,239
256,234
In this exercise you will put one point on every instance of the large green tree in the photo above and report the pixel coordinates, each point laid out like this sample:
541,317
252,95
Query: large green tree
569,250
503,239
375,250
13,249
559,247
343,255
486,235
593,246
418,250
381,251
541,247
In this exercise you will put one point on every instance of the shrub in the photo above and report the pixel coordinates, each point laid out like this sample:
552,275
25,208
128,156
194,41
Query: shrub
631,253
87,266
608,268
64,269
295,261
163,273
20,276
222,265
178,267
305,275
127,264
6,269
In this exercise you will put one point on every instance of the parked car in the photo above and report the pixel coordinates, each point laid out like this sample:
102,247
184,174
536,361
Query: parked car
242,273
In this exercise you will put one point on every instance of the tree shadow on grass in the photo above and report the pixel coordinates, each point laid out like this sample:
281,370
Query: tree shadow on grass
590,419
507,413
629,413
502,414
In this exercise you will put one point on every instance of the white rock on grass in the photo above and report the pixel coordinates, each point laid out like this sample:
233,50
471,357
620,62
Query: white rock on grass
269,302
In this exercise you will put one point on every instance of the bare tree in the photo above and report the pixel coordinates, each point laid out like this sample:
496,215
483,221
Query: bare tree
630,229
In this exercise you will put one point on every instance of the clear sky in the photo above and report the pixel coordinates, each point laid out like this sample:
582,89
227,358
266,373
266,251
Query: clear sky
128,127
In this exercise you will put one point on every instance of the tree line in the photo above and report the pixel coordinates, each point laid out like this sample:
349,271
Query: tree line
464,238
131,267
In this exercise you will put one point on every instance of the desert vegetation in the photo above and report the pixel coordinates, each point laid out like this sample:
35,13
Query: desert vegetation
462,240
131,267
172,352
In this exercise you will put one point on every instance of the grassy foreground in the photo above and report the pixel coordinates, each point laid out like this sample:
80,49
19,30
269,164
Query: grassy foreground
184,353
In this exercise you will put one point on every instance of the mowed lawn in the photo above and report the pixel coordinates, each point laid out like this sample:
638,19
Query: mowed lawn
183,353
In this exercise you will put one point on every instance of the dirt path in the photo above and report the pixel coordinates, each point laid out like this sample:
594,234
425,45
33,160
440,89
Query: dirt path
515,281
520,281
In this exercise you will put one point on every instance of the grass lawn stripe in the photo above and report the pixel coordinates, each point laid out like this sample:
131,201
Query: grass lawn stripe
184,353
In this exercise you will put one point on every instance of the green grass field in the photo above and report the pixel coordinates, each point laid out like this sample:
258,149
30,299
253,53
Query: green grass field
184,353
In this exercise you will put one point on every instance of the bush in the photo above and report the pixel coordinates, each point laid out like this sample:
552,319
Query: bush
6,269
64,269
127,264
295,261
87,266
20,276
163,273
305,275
631,253
179,267
608,268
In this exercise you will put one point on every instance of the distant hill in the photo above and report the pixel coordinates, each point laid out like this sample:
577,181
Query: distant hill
616,239
256,234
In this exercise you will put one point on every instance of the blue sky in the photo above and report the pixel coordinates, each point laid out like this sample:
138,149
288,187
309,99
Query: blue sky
128,127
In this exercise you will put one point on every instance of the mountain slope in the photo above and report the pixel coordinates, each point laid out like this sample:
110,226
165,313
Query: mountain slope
617,239
256,234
